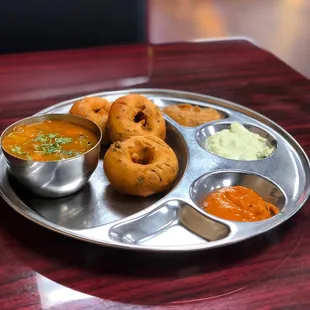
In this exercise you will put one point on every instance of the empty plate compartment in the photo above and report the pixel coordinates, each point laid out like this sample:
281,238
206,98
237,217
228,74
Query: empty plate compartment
174,223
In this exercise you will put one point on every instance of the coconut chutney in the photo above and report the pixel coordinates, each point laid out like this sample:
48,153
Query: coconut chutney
238,143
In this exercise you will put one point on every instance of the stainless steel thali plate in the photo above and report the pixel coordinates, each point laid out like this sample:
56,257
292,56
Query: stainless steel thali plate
174,221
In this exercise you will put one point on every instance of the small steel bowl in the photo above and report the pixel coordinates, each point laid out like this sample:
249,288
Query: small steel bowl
54,178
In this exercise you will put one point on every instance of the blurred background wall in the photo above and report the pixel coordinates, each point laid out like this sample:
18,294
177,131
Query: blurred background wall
280,26
33,25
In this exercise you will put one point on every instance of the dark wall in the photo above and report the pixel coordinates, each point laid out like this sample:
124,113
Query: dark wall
32,25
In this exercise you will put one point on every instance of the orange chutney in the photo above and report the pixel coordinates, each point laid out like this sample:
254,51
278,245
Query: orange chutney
49,140
238,203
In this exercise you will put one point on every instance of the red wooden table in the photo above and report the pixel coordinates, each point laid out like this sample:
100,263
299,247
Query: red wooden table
40,269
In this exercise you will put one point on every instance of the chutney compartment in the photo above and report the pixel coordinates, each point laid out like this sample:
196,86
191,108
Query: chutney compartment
213,181
209,130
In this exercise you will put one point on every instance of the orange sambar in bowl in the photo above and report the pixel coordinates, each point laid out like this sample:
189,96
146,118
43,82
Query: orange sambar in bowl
49,140
239,203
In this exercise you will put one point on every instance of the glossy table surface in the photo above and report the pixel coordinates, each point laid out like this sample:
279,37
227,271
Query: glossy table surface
40,269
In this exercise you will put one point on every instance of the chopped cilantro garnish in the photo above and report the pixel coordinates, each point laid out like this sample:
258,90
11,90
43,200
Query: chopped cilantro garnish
53,148
62,140
49,139
50,143
18,150
52,135
70,153
54,144
40,138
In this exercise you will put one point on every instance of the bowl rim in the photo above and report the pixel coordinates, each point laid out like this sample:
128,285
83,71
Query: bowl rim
52,116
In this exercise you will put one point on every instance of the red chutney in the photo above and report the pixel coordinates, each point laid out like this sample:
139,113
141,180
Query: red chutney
238,203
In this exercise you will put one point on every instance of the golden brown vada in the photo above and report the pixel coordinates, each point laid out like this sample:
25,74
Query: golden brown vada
141,166
135,115
95,109
191,115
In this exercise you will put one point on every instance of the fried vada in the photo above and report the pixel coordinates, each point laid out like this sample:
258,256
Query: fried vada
141,166
95,109
191,115
135,115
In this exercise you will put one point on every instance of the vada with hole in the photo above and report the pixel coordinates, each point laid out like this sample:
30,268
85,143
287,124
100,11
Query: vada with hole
135,115
95,109
141,166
